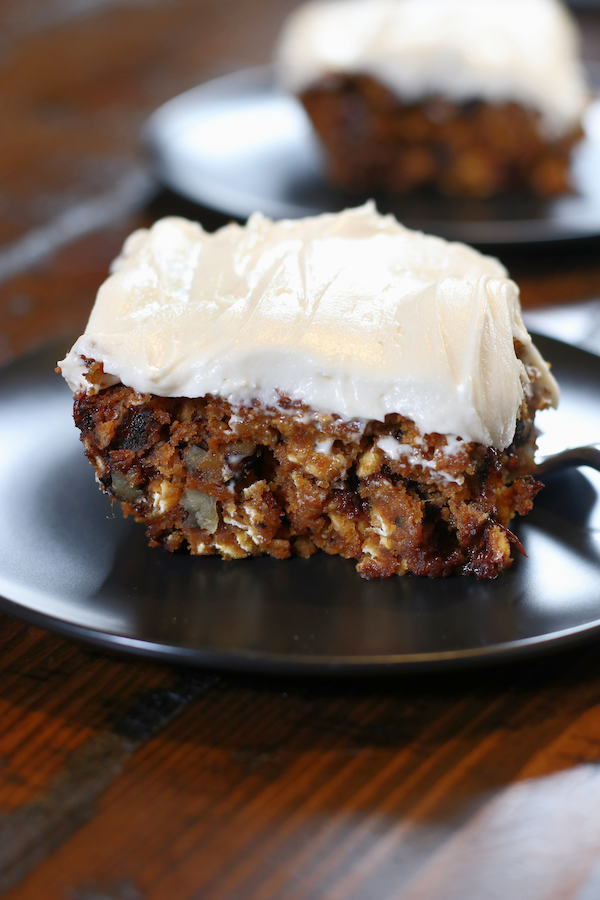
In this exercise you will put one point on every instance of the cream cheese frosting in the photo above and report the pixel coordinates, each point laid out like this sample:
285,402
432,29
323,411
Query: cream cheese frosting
524,51
351,313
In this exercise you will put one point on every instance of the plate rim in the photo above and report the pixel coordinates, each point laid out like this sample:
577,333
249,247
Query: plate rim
236,660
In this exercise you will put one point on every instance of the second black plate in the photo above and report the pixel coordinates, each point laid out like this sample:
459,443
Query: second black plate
237,144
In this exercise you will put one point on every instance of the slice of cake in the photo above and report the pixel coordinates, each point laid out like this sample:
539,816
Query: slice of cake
472,97
337,383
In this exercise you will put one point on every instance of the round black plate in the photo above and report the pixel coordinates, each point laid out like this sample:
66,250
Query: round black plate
237,144
70,563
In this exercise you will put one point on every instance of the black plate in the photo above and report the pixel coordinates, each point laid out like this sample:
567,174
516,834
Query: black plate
70,564
237,144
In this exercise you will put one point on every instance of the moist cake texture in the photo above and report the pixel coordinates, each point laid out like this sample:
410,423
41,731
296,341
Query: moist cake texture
473,98
338,383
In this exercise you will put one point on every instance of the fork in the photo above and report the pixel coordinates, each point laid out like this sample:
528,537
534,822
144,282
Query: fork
589,455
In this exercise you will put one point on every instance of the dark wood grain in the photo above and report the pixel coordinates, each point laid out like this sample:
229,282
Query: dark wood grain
412,788
122,779
70,719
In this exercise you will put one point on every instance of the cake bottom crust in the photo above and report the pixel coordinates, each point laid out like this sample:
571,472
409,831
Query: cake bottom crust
475,149
215,479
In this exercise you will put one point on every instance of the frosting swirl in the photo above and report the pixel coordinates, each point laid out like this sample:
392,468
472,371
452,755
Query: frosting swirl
350,312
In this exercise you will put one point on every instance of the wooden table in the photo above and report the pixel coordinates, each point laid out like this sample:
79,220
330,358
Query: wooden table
122,779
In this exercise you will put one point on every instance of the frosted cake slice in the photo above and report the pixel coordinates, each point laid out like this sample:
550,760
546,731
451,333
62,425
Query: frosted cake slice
470,97
337,383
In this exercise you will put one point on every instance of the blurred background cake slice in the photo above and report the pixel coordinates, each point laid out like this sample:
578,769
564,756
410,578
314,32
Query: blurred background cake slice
471,97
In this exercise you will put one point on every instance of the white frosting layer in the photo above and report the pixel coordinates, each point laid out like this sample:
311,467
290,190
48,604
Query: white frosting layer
351,313
496,50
